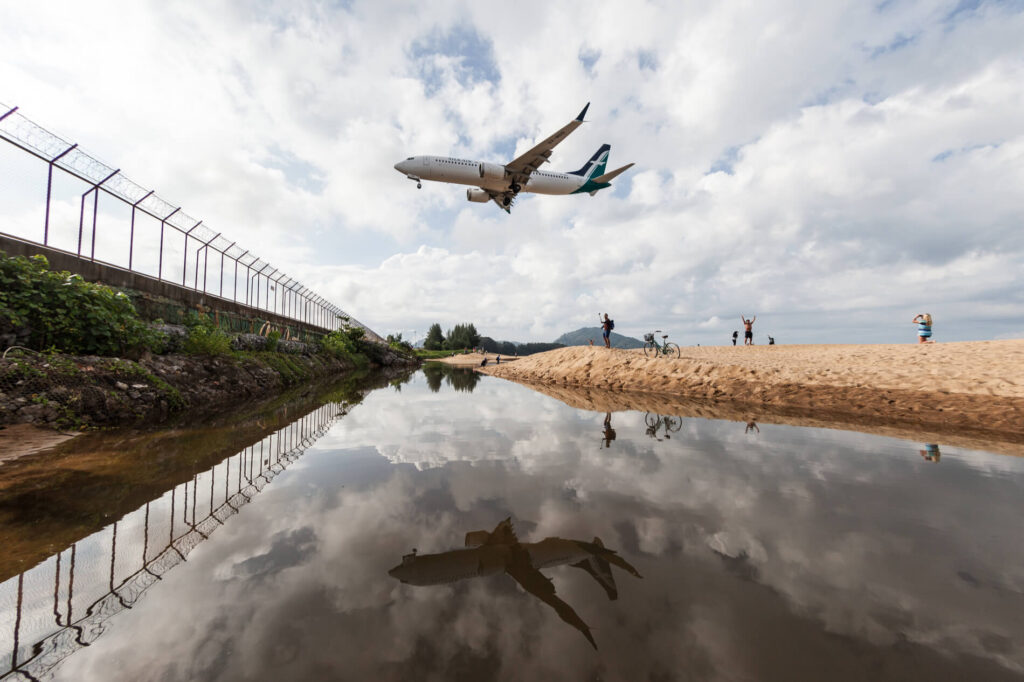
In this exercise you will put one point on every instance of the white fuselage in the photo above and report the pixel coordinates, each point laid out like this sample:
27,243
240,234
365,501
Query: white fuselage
465,172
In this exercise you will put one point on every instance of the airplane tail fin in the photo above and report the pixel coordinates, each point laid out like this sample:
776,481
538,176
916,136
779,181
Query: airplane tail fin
608,177
596,164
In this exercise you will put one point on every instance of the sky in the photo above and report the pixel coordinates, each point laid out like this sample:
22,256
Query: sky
832,168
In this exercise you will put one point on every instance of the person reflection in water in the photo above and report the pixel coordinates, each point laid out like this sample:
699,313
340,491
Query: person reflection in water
751,426
500,551
931,452
609,432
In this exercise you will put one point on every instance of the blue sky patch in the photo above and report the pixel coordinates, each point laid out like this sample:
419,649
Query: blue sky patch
725,162
472,56
299,172
588,58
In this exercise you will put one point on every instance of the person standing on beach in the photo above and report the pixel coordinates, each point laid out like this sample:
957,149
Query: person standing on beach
748,334
606,329
734,335
924,327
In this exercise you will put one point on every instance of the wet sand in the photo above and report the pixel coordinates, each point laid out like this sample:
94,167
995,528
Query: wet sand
971,391
474,359
17,440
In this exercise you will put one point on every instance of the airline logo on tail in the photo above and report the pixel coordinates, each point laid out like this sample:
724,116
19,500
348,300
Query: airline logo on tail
596,165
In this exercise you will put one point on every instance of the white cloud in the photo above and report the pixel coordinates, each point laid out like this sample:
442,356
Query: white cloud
868,160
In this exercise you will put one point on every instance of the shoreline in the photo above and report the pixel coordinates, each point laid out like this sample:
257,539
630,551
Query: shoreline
969,391
76,392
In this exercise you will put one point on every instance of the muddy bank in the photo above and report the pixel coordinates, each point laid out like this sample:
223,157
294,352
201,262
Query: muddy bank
53,498
78,392
973,390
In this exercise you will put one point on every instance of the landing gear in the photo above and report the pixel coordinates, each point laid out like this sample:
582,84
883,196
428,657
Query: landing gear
506,201
419,185
515,188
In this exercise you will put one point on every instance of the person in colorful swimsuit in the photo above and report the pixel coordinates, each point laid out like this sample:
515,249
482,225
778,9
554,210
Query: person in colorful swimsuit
924,327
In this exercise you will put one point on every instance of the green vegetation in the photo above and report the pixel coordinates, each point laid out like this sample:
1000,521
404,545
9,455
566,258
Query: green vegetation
435,338
396,343
433,354
459,337
272,340
41,308
346,344
204,336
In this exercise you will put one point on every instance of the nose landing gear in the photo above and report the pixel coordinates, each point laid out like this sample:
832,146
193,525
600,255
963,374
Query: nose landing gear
419,185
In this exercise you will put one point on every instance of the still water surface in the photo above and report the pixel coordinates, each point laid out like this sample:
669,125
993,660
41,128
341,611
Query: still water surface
677,549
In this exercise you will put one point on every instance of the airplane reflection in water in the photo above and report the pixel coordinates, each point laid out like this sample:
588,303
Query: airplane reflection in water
500,551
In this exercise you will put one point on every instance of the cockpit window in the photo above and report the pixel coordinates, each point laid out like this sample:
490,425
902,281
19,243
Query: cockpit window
410,158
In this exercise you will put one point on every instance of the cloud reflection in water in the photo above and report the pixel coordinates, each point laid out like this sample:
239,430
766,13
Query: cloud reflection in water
798,554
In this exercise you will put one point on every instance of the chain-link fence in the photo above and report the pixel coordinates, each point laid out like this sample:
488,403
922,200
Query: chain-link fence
157,238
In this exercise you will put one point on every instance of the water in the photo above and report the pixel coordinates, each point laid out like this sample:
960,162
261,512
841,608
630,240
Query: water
767,553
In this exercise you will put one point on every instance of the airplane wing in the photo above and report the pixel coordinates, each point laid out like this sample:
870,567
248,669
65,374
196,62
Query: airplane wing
523,165
540,586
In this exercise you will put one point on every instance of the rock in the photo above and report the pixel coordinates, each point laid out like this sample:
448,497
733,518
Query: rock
121,386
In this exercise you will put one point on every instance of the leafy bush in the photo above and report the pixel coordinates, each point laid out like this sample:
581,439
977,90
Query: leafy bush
207,340
272,339
345,343
396,344
59,310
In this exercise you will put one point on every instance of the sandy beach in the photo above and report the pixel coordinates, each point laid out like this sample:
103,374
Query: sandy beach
474,359
970,390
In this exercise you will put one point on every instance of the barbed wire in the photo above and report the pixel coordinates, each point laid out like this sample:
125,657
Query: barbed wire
57,151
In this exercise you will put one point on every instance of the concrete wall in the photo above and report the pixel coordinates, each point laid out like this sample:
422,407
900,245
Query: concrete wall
111,275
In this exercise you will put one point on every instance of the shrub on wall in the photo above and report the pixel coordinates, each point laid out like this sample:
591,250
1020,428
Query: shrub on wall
45,309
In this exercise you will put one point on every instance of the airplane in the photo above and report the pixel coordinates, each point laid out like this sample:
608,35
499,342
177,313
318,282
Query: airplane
500,551
502,183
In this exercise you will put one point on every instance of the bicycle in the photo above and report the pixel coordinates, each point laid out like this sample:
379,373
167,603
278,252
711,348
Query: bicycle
655,422
653,349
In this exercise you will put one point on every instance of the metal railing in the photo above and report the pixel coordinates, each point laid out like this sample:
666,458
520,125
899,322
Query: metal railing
234,273
62,604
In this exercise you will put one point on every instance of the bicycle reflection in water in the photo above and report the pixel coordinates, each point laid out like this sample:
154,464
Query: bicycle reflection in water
661,427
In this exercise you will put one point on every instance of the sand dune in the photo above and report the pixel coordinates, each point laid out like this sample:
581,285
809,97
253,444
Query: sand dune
972,390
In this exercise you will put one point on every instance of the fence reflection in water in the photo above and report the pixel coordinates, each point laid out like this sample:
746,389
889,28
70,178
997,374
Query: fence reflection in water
63,603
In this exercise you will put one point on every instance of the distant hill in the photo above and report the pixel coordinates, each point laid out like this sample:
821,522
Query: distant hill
582,337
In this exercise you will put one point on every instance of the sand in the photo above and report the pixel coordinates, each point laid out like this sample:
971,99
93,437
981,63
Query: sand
17,440
474,359
971,390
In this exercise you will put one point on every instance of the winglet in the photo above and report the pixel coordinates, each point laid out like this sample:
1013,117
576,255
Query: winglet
582,113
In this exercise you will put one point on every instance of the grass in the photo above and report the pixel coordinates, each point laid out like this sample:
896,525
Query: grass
434,354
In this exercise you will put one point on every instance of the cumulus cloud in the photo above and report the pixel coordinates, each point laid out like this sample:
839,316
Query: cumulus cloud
834,169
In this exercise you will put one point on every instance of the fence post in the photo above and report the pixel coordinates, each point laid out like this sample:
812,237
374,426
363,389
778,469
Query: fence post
163,222
49,184
95,208
184,262
131,240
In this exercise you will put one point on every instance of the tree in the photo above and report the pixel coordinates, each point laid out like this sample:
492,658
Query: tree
435,339
463,336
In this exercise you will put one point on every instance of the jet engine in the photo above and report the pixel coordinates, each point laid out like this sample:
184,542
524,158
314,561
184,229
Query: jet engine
492,171
478,195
